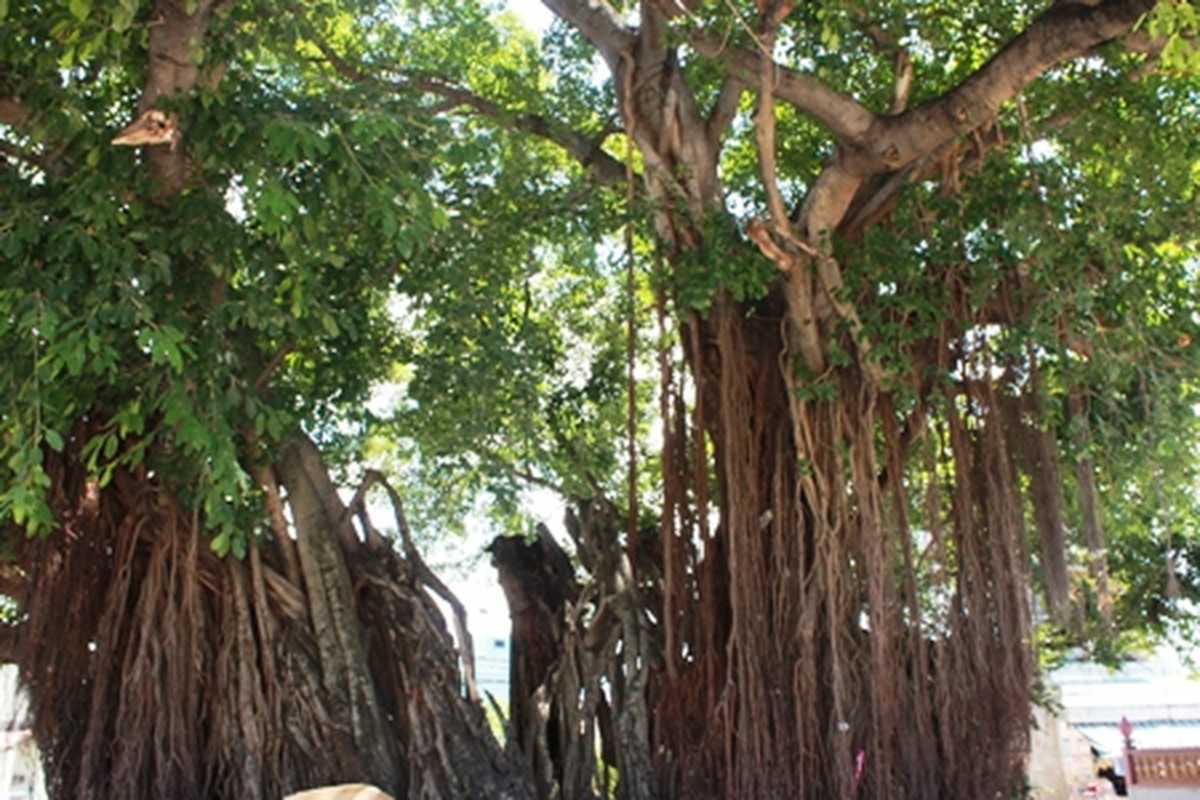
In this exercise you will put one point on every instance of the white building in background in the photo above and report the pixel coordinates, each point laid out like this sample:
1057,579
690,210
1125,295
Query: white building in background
492,666
20,763
1155,695
491,629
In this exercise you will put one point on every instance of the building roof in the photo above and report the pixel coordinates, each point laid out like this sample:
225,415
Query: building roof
1146,690
1147,735
1154,693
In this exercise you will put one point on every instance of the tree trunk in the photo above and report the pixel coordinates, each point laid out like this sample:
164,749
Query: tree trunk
819,644
538,586
810,663
581,660
822,647
156,669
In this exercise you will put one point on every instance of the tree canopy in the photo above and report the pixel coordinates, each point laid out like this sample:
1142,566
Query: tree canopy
839,325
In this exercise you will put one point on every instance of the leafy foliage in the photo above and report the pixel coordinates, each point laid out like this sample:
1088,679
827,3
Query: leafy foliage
166,323
346,226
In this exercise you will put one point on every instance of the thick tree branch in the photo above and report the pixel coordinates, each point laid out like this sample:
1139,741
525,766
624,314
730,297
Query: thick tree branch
877,197
179,29
847,119
791,259
322,540
1062,33
724,109
895,143
599,23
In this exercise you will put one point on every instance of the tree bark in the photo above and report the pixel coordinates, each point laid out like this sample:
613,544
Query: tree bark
157,669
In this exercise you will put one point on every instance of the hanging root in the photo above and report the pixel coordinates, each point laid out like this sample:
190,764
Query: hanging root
825,645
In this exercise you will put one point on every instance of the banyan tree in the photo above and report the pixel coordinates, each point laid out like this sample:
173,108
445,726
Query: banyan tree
857,338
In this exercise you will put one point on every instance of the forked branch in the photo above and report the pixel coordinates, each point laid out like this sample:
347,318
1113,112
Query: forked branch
426,575
845,117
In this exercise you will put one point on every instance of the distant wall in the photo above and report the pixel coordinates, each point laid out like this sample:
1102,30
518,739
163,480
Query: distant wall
1047,778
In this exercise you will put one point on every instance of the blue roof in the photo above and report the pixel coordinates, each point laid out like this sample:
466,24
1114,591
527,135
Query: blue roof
1147,734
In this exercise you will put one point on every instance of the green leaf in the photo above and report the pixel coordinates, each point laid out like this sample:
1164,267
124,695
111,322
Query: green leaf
194,435
123,15
75,358
220,544
80,9
54,440
329,323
